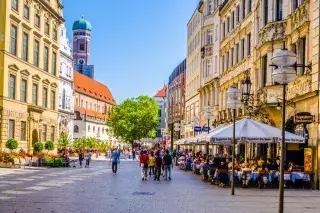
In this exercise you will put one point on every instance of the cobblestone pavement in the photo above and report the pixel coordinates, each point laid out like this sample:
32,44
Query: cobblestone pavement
97,190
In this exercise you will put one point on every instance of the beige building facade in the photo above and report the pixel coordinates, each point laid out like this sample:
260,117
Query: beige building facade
249,32
29,63
192,97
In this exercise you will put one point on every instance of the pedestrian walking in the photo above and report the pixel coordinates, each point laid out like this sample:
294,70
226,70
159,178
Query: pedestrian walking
144,159
81,157
133,154
158,165
115,160
151,164
87,158
167,162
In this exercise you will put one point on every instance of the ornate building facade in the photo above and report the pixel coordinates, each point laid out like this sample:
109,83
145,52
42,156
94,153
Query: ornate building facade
93,101
66,101
192,98
176,99
29,59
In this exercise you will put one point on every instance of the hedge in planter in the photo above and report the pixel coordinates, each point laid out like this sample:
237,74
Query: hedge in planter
38,147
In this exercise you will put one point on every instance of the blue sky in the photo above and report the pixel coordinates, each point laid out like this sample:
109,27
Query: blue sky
136,44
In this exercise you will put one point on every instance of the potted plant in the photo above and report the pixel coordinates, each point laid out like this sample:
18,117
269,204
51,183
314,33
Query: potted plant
12,144
49,146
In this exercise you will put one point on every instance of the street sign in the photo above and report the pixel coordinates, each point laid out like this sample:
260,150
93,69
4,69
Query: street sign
197,128
304,118
206,129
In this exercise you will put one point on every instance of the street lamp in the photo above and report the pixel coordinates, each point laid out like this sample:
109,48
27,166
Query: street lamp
194,122
233,103
283,74
207,115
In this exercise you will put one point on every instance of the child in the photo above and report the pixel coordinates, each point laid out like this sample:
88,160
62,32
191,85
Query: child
87,158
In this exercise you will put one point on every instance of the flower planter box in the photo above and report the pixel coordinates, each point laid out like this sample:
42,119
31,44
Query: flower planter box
5,165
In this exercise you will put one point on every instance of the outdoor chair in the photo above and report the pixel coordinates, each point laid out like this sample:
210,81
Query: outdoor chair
16,162
246,178
43,162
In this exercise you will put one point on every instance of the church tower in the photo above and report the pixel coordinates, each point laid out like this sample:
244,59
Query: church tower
81,47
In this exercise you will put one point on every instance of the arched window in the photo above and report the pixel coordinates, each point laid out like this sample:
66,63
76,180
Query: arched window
81,103
89,128
64,99
98,129
87,106
102,130
77,102
76,129
94,129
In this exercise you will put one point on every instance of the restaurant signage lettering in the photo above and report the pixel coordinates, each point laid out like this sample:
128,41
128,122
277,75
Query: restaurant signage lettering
304,118
298,88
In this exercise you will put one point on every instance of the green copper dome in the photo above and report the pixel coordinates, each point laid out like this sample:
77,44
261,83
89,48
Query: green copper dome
82,24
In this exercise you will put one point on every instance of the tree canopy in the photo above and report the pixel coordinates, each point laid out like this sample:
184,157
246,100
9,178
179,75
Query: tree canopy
134,119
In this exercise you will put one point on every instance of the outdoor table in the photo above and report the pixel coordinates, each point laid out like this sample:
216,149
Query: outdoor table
299,176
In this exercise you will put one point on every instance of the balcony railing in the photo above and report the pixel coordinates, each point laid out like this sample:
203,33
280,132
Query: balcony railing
207,50
300,16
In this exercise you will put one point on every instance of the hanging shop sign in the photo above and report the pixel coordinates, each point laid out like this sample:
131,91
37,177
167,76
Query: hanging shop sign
307,160
206,129
304,118
197,128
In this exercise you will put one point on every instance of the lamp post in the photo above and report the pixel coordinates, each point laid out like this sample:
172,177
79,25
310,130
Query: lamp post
207,115
233,103
194,122
283,74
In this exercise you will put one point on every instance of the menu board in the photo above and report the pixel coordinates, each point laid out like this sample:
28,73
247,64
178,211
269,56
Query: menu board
307,160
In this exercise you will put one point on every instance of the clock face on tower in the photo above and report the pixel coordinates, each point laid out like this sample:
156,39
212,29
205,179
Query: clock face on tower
81,61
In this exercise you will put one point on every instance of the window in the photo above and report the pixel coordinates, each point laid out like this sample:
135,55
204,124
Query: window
47,28
34,94
88,128
264,67
25,40
249,6
210,6
223,64
64,99
13,41
209,37
265,12
75,129
52,133
248,44
87,106
232,20
23,91
26,12
99,130
215,64
94,129
14,4
242,49
243,9
228,25
294,5
12,87
81,48
36,54
81,103
46,59
44,97
55,34
37,20
53,100
278,10
44,133
302,55
11,129
232,56
237,53
209,65
23,131
54,63
216,33
238,13
227,60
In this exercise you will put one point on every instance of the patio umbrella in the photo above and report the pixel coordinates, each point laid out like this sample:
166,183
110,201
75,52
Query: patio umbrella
207,137
253,131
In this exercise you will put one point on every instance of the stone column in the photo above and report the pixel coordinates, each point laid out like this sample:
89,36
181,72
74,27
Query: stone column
269,69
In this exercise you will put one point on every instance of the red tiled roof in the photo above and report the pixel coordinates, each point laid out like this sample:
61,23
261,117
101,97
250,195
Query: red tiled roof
90,112
92,88
161,93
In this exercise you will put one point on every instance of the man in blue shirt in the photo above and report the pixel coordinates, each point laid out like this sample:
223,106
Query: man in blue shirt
115,159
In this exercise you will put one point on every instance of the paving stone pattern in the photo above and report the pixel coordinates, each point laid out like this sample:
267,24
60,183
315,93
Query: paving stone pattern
97,190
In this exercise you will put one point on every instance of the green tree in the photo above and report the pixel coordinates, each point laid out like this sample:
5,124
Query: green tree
38,147
134,119
49,146
64,141
79,143
12,144
91,143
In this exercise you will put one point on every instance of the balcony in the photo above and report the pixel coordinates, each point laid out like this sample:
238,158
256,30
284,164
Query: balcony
299,17
207,51
272,31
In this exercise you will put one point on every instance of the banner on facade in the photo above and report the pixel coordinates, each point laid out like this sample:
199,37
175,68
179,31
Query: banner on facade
308,160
